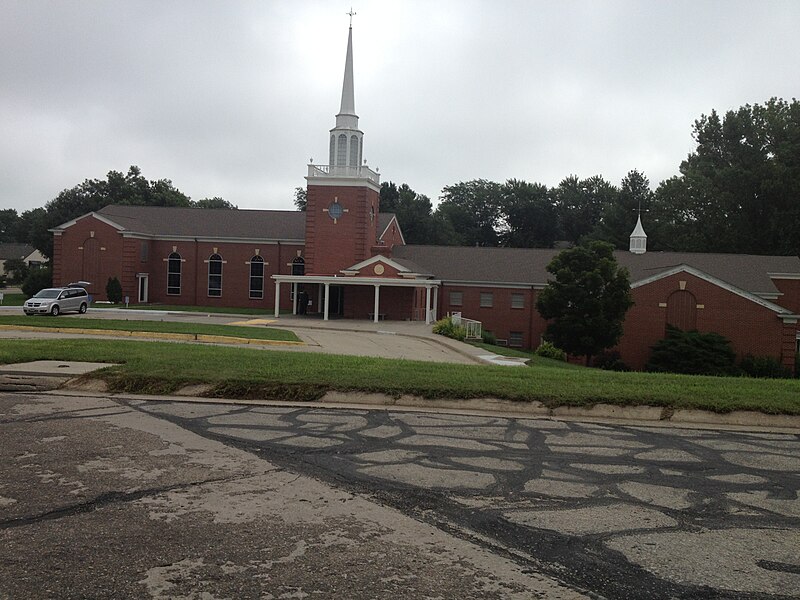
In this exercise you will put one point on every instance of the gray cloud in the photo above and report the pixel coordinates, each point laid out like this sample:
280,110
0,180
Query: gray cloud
231,99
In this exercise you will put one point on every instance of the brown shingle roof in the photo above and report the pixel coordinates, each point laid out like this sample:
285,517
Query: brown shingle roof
528,265
208,222
12,250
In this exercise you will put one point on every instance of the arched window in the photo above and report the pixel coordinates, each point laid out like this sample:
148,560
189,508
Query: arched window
257,277
298,266
341,151
353,150
682,310
215,275
332,153
174,274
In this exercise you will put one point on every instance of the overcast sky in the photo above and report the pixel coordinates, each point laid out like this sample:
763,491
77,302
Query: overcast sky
232,98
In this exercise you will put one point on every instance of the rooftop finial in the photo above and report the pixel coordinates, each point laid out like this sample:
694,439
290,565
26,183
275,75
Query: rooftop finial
352,14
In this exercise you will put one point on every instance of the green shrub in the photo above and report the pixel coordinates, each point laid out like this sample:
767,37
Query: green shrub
114,290
797,365
447,328
764,366
548,350
610,360
37,279
693,353
487,337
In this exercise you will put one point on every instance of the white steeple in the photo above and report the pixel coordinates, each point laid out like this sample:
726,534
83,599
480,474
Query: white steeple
638,238
347,141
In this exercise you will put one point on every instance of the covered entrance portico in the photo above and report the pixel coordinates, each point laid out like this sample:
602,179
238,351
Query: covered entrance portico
326,282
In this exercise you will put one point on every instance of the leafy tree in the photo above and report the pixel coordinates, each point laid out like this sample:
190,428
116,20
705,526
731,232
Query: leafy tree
739,191
580,204
414,212
114,290
93,194
215,202
586,300
472,208
16,269
693,353
9,220
37,279
529,218
300,198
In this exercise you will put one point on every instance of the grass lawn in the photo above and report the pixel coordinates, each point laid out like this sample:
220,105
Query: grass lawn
254,333
158,367
13,299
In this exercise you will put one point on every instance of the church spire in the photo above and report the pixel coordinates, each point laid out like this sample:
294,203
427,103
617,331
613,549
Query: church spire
348,106
346,139
638,243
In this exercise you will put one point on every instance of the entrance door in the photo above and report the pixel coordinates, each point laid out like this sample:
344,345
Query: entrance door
336,306
143,288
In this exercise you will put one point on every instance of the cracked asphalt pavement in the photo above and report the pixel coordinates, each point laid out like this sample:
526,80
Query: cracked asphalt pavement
106,498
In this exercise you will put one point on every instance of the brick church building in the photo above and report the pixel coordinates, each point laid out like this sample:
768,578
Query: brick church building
343,258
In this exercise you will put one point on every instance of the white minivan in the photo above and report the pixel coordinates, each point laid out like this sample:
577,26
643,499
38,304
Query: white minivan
54,301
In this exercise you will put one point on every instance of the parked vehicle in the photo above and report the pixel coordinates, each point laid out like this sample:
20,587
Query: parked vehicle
54,301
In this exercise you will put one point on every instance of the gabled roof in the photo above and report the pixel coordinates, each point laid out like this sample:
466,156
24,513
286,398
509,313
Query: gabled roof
12,250
528,265
384,221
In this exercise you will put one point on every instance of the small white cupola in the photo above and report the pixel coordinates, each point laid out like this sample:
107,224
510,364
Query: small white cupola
638,238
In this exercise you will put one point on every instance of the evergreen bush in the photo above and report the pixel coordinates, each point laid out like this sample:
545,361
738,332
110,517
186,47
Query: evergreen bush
488,338
764,366
610,360
693,353
114,290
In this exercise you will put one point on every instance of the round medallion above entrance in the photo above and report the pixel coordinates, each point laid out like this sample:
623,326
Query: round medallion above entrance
378,269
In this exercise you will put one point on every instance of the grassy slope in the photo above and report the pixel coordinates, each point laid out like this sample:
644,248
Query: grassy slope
256,333
158,367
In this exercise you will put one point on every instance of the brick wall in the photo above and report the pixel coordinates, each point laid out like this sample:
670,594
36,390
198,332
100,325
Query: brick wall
72,263
333,246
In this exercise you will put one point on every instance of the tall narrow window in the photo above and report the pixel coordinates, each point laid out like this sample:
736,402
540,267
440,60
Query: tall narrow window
332,153
341,151
353,150
257,277
215,275
174,274
298,266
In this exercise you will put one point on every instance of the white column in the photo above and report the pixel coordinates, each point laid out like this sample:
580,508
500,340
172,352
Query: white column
435,303
294,296
327,301
427,305
277,298
377,302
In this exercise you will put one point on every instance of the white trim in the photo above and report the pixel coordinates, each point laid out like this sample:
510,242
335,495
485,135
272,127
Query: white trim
342,182
713,280
385,229
783,275
189,238
371,261
333,280
97,216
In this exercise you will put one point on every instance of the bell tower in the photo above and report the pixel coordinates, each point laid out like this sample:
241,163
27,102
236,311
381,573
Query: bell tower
343,197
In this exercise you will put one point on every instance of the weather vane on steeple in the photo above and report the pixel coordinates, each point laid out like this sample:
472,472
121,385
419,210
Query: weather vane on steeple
352,14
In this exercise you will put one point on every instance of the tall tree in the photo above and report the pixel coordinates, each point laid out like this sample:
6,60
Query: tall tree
741,185
473,210
9,221
300,198
580,204
586,300
93,194
528,216
414,212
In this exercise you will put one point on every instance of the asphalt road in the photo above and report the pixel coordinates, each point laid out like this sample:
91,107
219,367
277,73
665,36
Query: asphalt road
106,498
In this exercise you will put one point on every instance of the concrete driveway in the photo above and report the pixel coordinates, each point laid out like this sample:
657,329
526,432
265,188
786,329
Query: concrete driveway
387,339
